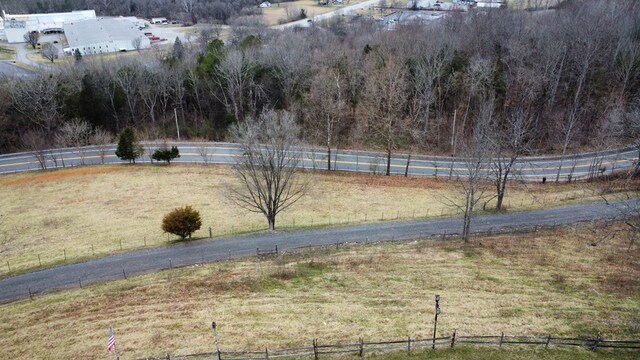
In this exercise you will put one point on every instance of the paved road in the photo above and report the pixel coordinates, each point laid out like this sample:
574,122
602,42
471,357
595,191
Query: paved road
184,254
529,168
345,10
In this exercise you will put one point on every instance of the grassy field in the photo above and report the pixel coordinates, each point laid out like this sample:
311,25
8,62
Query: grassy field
100,210
550,282
277,12
7,53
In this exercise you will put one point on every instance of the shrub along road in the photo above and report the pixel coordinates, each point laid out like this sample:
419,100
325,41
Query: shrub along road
195,252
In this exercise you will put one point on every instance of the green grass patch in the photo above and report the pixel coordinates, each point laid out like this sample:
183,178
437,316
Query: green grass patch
7,53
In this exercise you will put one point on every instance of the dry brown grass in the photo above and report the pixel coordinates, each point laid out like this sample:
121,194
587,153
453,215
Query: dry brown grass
277,12
552,282
91,211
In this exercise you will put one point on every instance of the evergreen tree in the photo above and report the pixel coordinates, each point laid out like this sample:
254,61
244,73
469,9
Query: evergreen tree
178,50
129,147
166,154
77,55
182,221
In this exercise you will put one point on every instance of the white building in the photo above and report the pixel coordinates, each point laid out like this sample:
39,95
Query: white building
492,3
16,26
159,20
98,36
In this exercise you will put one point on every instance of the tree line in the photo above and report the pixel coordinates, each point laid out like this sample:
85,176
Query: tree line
534,82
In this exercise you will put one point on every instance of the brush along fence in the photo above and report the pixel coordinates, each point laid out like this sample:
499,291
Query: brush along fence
361,347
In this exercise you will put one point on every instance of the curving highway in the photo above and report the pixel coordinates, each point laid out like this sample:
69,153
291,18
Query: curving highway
576,166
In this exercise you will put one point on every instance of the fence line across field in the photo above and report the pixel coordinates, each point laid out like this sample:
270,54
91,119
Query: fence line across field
69,255
408,344
259,253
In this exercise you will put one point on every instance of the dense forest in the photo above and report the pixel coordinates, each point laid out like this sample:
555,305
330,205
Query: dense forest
554,80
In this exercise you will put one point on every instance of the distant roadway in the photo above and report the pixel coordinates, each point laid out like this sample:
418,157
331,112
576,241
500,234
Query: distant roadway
196,252
575,166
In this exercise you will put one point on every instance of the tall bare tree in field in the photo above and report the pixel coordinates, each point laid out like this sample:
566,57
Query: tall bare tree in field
269,169
476,160
511,139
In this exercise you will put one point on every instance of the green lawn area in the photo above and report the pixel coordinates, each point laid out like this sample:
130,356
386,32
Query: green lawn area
7,53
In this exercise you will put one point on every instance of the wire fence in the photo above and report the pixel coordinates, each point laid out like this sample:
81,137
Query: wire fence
260,253
361,347
82,252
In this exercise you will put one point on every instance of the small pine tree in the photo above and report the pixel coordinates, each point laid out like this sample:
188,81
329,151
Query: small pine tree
77,55
178,50
129,147
182,222
165,154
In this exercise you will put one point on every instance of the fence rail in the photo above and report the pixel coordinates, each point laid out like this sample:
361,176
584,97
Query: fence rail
408,344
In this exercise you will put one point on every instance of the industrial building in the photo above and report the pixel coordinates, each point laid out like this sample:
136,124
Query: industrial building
104,35
14,27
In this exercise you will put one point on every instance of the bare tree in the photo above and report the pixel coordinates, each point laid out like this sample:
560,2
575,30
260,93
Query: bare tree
136,43
511,139
37,99
326,103
102,139
385,101
77,134
235,85
269,170
128,78
32,38
476,159
49,52
35,141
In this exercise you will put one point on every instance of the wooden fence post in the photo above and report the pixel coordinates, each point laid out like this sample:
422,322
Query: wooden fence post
266,353
501,339
219,354
596,343
30,294
361,352
315,349
124,274
409,344
453,338
546,346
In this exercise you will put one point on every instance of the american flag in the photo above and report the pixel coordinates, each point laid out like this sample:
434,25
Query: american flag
111,342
